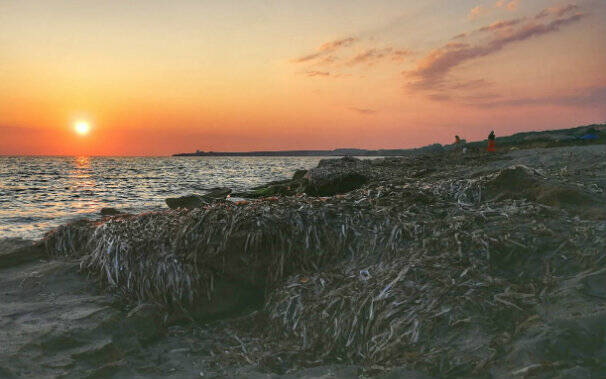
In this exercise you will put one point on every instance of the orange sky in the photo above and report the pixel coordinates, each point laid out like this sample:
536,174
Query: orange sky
155,78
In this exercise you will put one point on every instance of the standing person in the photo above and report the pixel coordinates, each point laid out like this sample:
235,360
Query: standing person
491,138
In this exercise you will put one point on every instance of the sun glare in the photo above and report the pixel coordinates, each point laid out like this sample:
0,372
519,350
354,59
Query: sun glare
82,127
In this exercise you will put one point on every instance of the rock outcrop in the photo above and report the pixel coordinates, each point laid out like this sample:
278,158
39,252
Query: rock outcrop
196,201
335,176
109,212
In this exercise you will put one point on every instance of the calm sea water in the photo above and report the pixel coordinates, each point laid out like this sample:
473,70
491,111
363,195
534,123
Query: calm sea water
40,193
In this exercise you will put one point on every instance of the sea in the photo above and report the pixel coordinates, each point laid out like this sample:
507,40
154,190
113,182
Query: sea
38,194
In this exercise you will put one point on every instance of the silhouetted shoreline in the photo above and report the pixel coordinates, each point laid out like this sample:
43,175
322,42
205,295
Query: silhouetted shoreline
546,138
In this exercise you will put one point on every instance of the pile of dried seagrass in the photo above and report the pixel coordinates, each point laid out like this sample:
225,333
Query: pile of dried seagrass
414,268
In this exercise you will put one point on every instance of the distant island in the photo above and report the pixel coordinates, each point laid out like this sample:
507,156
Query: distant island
547,138
292,153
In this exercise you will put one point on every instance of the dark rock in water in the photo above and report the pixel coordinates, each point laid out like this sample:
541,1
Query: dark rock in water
197,201
333,176
188,202
109,212
217,193
278,187
338,183
299,174
342,162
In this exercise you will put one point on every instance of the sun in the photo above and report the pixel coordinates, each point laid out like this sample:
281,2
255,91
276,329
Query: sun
82,127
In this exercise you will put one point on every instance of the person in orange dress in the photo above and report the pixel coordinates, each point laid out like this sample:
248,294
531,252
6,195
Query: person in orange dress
491,146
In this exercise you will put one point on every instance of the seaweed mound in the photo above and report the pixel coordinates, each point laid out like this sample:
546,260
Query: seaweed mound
437,270
522,182
208,260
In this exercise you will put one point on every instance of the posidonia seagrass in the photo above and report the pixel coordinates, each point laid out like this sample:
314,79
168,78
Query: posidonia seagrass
427,268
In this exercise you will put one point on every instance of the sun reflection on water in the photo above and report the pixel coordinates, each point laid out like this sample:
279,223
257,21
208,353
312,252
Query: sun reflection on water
82,185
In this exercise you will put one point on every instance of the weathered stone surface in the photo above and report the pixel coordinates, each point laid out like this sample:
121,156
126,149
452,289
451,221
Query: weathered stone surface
188,202
299,174
15,251
334,176
404,373
196,201
217,193
109,211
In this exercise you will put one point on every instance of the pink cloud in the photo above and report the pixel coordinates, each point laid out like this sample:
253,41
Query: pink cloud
373,55
500,25
435,66
510,5
476,12
327,48
317,73
363,111
557,11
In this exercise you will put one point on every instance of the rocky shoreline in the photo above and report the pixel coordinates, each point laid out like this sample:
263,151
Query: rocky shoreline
438,265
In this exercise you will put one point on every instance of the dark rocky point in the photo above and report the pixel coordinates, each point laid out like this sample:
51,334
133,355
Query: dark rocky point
110,212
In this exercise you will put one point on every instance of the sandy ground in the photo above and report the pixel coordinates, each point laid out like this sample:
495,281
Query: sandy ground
54,322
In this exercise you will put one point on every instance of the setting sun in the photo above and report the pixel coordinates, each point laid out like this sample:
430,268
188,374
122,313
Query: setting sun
82,127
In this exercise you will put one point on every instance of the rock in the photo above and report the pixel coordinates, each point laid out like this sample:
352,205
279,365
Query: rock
196,201
595,284
109,211
400,372
299,174
146,321
217,193
278,187
13,253
338,183
576,372
188,202
333,176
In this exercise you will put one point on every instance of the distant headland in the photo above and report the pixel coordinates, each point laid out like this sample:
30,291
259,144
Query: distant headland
547,138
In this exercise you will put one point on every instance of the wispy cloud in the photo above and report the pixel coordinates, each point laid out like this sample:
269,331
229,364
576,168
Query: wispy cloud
369,56
373,55
317,73
500,25
334,59
476,12
364,111
510,5
480,10
557,11
435,66
400,54
471,84
326,49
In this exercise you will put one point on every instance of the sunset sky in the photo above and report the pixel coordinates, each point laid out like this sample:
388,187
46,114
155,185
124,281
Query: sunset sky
159,77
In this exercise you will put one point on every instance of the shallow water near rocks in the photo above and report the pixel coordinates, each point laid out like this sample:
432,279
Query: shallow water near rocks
40,193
